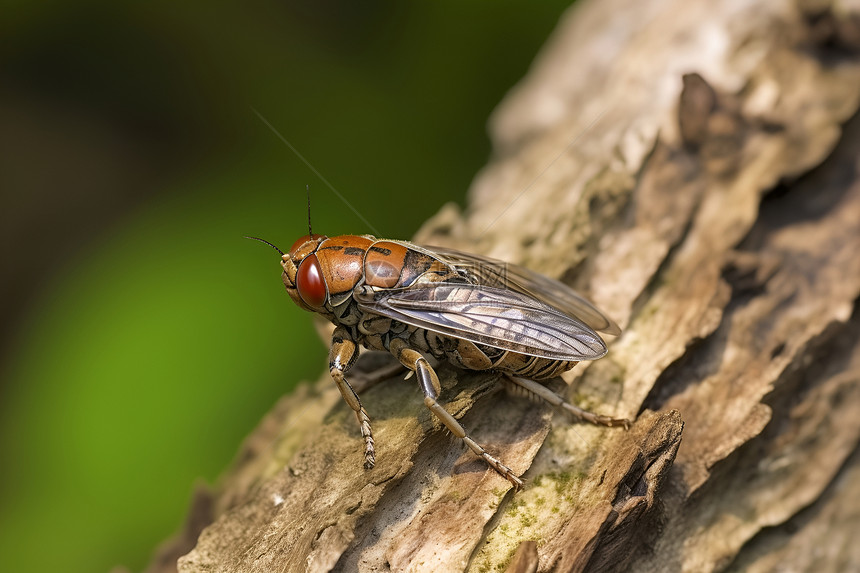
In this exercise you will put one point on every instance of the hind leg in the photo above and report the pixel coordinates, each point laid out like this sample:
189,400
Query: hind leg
546,394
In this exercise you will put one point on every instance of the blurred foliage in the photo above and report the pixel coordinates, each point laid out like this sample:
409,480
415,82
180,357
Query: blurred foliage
143,336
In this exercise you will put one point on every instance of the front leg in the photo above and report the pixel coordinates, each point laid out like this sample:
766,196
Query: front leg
343,354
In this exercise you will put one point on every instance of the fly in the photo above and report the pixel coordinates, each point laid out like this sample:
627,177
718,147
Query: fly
476,312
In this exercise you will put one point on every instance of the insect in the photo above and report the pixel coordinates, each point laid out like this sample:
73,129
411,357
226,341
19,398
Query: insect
476,312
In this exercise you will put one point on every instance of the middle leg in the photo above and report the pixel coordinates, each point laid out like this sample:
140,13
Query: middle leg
429,382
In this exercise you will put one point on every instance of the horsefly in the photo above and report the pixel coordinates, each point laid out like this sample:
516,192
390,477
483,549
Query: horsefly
476,312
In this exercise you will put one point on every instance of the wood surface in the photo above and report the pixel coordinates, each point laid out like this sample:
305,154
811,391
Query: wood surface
692,167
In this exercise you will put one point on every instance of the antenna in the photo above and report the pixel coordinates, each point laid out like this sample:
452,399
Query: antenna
267,242
308,190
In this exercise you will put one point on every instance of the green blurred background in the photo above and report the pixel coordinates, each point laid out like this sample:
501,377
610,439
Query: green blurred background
142,337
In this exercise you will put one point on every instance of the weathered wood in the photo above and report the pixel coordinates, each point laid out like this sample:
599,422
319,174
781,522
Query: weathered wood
693,168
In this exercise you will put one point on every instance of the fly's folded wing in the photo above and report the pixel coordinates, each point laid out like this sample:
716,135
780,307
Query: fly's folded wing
496,273
497,317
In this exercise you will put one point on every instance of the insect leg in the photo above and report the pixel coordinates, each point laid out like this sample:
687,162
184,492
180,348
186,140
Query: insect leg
343,354
429,382
546,394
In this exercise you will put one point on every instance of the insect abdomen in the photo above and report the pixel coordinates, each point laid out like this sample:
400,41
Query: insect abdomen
472,356
534,367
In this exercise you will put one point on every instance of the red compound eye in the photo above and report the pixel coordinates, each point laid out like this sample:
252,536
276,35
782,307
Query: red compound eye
310,282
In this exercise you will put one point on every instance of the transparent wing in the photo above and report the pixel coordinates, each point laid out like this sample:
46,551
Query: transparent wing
493,272
497,317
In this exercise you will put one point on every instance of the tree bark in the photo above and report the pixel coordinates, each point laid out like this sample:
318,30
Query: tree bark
692,167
